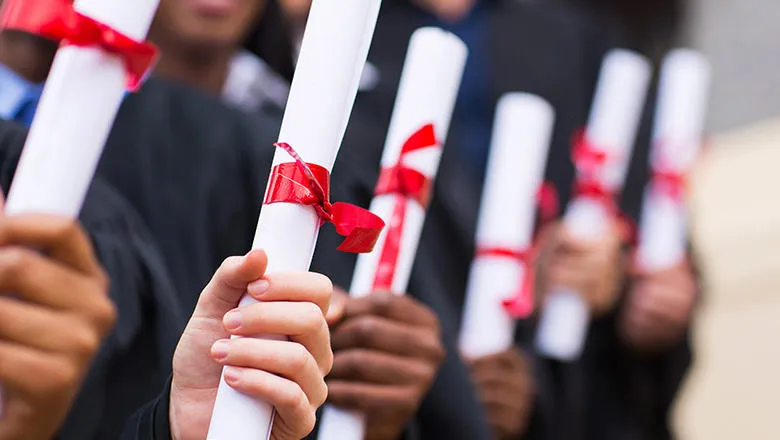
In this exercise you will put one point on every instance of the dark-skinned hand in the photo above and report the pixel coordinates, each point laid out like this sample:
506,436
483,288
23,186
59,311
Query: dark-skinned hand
387,351
658,308
506,389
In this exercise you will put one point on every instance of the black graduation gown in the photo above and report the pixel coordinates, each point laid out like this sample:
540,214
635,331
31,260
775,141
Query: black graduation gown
548,50
134,361
195,171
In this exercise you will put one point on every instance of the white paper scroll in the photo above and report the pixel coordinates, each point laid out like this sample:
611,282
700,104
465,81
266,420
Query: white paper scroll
521,140
613,124
677,139
323,86
74,117
427,92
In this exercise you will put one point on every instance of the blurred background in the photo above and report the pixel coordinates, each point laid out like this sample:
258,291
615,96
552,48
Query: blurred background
733,391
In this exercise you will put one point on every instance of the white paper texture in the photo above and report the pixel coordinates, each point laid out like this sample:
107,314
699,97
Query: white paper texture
521,140
677,138
613,124
323,86
427,92
80,100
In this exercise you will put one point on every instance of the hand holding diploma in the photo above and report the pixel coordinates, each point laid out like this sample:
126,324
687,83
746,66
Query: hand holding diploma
388,350
287,374
501,286
662,296
102,55
47,339
601,157
296,202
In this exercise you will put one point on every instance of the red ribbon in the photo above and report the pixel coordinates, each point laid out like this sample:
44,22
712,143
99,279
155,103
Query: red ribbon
58,21
589,160
309,184
549,202
521,304
669,182
405,184
664,177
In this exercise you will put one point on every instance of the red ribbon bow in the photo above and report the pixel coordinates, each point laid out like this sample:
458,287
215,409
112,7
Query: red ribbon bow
309,184
521,304
57,20
404,183
589,160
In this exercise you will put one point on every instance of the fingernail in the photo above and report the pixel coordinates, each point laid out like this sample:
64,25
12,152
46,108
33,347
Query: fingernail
232,320
232,375
220,350
258,288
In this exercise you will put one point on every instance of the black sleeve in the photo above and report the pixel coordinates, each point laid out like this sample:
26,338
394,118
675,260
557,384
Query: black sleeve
135,359
152,421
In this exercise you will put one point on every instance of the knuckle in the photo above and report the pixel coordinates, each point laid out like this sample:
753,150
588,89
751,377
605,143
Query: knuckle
324,285
61,377
382,302
321,394
292,396
14,264
85,342
66,230
105,315
300,358
312,318
309,421
350,365
364,327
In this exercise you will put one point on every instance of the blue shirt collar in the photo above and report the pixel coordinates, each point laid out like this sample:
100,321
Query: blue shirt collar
16,93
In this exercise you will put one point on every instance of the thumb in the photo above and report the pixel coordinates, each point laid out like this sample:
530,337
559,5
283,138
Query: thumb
223,293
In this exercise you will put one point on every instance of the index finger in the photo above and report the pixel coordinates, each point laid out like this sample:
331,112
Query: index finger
59,237
395,307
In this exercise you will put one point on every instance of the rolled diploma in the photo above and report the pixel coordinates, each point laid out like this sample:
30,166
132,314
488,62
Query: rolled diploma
521,140
64,146
679,128
613,124
323,85
426,94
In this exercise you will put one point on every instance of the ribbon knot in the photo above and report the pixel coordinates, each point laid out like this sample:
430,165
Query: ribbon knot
404,183
520,304
589,161
57,20
669,182
309,184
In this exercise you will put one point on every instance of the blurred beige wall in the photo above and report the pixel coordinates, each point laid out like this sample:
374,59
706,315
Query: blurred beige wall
734,390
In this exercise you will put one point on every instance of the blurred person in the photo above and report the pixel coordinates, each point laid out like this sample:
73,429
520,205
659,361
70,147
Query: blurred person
24,64
239,50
